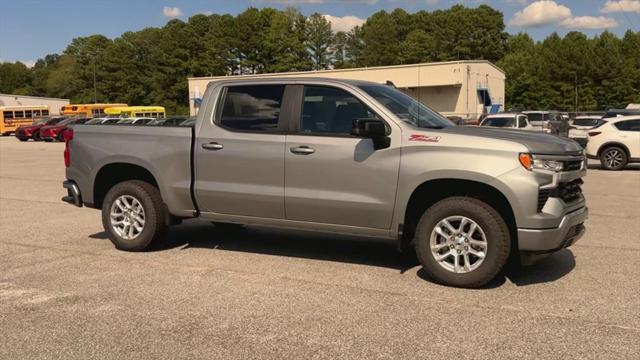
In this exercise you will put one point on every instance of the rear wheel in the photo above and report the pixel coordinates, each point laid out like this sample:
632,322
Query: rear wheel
36,136
462,242
613,158
23,139
133,215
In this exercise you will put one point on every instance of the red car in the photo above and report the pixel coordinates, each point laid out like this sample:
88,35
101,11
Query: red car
24,133
54,132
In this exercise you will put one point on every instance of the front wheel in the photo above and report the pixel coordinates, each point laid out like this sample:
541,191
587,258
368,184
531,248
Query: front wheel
463,242
133,215
613,158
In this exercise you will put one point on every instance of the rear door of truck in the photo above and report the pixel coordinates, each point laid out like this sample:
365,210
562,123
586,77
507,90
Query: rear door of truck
239,152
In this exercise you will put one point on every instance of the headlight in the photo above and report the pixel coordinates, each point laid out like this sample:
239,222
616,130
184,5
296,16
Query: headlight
529,162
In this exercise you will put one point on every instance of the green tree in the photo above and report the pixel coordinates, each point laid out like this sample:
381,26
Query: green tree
319,39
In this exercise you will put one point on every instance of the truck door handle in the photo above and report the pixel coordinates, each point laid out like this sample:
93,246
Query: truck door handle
212,146
302,150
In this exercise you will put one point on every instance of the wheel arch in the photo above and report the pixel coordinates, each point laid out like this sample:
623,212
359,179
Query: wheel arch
614,143
431,191
117,172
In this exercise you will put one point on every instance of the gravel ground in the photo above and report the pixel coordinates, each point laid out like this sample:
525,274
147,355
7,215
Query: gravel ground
65,292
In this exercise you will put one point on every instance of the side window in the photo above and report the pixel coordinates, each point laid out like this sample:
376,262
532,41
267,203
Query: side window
331,111
522,122
252,108
45,112
629,125
27,114
8,114
18,114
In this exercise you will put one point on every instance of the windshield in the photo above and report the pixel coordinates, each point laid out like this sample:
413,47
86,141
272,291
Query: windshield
407,108
498,122
585,122
534,117
66,121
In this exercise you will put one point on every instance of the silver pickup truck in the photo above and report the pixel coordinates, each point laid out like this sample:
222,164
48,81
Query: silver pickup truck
348,157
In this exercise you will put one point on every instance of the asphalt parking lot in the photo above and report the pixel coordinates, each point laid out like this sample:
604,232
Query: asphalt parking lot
65,292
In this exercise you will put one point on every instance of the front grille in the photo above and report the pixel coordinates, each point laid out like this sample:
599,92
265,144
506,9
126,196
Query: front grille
572,165
543,196
569,191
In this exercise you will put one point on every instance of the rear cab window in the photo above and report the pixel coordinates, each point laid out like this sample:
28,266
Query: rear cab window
252,108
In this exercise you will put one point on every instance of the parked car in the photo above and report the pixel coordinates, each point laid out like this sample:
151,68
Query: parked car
615,142
611,113
189,122
104,120
343,156
172,121
54,132
24,133
135,121
508,121
550,122
579,127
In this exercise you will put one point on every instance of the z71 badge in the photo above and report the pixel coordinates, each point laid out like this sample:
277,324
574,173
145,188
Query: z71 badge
425,138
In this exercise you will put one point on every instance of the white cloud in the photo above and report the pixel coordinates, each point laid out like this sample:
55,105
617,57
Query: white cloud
172,12
540,13
208,12
589,22
621,6
344,23
29,63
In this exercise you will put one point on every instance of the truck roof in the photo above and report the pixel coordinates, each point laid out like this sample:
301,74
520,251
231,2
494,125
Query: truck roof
292,80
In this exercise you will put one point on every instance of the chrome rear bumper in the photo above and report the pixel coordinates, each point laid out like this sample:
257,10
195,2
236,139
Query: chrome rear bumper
73,193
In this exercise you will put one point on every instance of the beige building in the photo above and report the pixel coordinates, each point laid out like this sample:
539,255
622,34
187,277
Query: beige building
454,88
22,100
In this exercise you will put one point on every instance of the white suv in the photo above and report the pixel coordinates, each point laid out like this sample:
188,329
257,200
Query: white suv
616,142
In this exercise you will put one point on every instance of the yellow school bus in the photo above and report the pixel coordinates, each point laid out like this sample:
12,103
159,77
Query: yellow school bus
136,111
87,110
13,116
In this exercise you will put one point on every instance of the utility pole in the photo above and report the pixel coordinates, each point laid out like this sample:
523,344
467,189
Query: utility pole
576,101
95,88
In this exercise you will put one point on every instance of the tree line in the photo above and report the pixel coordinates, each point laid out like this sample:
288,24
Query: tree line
151,66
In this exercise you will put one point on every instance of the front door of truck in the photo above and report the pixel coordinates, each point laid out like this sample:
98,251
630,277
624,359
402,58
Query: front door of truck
240,154
331,176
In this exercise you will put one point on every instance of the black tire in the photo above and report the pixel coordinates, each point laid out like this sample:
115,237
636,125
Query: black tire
607,155
155,225
23,139
36,136
60,137
487,218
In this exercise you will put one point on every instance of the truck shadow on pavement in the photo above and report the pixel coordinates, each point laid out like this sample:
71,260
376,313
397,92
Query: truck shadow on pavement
338,248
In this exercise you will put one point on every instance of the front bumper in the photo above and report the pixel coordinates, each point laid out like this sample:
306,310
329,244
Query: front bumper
73,193
570,230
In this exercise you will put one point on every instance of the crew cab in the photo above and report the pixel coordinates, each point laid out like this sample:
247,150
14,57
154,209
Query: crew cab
339,156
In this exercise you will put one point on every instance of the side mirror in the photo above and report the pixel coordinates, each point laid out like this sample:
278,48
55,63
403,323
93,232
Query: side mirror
374,129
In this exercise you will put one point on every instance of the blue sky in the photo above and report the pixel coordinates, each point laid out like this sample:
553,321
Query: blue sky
30,29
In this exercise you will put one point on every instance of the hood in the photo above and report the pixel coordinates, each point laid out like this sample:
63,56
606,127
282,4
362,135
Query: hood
537,143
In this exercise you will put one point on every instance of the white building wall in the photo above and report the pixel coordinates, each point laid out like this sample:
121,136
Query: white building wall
21,100
448,87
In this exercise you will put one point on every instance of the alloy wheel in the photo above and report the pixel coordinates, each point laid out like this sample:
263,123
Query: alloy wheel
458,244
127,217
